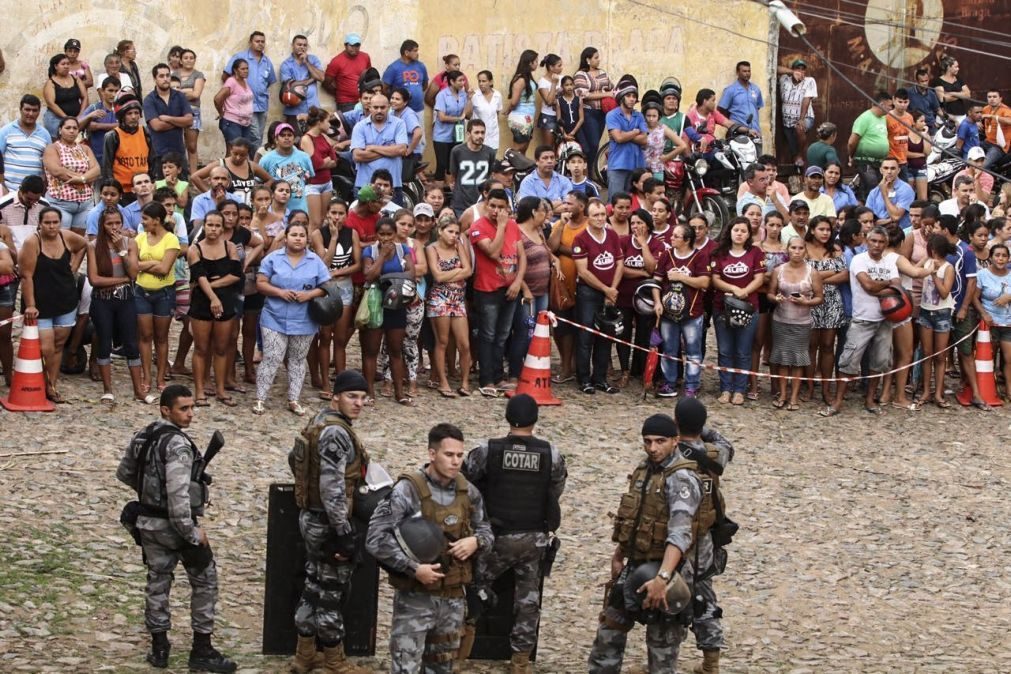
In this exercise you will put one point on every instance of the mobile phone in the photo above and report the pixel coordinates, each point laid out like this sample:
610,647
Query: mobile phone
797,295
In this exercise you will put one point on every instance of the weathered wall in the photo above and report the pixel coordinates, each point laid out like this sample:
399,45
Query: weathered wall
632,37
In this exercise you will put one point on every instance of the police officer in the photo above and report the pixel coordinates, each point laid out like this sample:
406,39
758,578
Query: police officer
521,478
165,468
664,518
428,605
328,463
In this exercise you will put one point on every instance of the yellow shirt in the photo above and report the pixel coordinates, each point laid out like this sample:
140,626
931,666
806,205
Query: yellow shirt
156,253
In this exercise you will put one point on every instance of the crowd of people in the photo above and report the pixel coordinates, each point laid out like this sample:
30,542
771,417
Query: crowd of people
112,218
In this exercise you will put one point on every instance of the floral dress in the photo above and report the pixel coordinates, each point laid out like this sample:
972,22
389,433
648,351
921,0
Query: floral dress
448,298
829,315
654,151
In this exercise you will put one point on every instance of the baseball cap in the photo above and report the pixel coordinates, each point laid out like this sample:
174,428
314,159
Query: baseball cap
283,127
352,38
424,209
72,44
975,154
799,205
799,63
367,194
574,152
502,166
813,171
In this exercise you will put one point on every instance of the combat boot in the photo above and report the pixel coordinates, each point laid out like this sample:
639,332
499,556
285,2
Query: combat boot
334,662
521,664
710,663
160,648
205,658
307,658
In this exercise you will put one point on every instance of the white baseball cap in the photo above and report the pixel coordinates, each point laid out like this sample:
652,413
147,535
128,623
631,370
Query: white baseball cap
975,154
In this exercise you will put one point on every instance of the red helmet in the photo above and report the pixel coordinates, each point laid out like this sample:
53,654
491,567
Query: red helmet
896,304
292,93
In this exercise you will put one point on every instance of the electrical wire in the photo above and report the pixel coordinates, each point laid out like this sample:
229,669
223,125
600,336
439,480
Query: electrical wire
943,20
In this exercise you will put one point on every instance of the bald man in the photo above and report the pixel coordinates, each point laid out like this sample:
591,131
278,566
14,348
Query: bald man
379,142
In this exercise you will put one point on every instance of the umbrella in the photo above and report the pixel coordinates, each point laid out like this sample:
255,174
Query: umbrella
652,360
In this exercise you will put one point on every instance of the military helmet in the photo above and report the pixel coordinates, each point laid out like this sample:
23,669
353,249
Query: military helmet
367,500
421,540
678,594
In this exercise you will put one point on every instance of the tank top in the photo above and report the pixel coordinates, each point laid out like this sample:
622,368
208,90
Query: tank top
67,98
915,163
931,299
538,265
321,151
131,158
73,158
570,112
344,250
788,312
55,285
212,271
242,188
528,100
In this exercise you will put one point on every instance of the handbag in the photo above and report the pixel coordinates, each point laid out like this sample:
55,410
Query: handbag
559,296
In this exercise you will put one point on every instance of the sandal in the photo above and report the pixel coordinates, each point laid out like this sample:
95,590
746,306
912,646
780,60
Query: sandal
295,408
407,401
874,409
559,379
235,388
944,404
149,399
434,385
447,393
107,398
201,402
752,395
369,401
980,405
792,407
828,412
779,404
489,392
325,395
227,401
911,407
464,392
54,396
259,407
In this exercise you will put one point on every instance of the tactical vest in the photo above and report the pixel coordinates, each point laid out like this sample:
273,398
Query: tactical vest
516,487
148,450
454,520
304,460
640,527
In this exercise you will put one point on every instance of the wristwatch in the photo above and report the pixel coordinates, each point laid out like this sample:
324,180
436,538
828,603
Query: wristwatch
665,576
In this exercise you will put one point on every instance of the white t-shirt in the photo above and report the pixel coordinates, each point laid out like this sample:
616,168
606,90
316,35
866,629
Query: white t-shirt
793,94
866,306
488,113
950,207
125,83
544,84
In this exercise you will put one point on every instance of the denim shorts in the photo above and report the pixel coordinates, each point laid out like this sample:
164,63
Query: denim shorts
7,294
160,303
938,320
319,189
1000,333
67,320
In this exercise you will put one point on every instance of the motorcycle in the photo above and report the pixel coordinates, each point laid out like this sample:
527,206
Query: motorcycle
942,167
734,154
522,167
684,186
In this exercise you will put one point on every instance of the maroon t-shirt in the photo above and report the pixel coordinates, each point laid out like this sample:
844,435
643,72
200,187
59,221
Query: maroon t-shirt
601,257
664,235
738,270
695,264
634,260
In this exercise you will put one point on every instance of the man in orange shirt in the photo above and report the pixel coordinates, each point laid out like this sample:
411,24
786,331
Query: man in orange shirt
899,122
996,115
128,150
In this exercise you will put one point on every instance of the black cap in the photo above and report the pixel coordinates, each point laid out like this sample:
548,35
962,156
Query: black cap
349,380
521,411
72,44
502,166
799,205
691,415
661,425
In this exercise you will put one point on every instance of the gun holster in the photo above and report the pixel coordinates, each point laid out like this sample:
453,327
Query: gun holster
550,552
128,518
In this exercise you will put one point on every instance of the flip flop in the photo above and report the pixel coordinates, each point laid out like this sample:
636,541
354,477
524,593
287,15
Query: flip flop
236,389
407,402
980,405
227,401
558,379
875,410
779,404
792,407
463,392
911,407
107,398
944,404
489,392
325,395
447,393
54,396
201,402
828,412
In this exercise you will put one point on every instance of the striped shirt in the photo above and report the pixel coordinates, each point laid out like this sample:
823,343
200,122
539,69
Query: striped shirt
22,153
23,222
585,83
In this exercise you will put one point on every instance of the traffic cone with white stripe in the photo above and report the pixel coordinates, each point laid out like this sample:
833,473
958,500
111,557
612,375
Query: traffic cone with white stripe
28,388
535,380
984,372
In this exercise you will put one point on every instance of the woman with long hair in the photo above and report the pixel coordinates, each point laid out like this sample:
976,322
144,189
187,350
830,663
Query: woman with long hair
775,255
252,300
934,321
446,305
592,86
127,52
191,85
842,194
531,214
234,103
316,143
156,294
522,101
64,94
548,88
825,258
415,310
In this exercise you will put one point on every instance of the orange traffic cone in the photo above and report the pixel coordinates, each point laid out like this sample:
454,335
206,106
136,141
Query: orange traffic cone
984,372
535,380
28,389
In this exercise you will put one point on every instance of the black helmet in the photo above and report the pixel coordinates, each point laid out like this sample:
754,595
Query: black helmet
367,500
608,320
651,99
421,540
671,86
643,299
739,312
398,290
327,309
678,594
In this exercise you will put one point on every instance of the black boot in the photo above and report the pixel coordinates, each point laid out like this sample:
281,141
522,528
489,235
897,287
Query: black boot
160,646
204,657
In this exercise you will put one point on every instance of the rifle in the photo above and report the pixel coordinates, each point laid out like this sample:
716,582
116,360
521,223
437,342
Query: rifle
213,447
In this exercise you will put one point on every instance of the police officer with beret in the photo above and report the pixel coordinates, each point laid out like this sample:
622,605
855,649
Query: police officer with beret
521,478
329,464
664,520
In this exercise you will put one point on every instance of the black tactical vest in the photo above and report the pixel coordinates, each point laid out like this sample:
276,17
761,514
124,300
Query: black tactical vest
516,487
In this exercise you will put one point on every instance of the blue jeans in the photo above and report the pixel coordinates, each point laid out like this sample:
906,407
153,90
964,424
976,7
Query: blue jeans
159,303
734,346
120,317
258,128
691,330
617,180
233,131
593,353
520,341
590,133
75,213
494,320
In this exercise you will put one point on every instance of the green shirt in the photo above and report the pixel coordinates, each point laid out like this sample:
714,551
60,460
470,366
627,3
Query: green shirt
873,132
821,154
675,123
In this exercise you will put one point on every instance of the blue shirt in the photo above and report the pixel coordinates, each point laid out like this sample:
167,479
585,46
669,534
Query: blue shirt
411,121
96,139
749,198
964,262
742,103
991,287
451,104
412,76
91,223
968,131
394,265
394,132
177,106
626,156
291,318
295,169
843,197
533,186
131,216
204,203
926,102
261,76
293,70
901,195
22,153
588,188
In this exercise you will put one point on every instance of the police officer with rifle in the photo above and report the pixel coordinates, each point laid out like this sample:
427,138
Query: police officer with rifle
167,472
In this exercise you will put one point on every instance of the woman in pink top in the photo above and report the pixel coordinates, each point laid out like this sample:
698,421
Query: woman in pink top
234,102
71,167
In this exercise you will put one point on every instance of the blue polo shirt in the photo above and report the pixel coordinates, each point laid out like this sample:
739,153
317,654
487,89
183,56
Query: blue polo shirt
131,216
412,76
177,106
291,318
625,156
293,70
742,103
261,76
411,122
901,195
91,223
394,132
556,190
451,104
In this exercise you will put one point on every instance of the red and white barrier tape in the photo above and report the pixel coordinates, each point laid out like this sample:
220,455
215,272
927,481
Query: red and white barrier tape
733,370
12,319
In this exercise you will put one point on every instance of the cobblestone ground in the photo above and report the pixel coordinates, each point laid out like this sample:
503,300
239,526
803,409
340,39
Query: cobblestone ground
866,544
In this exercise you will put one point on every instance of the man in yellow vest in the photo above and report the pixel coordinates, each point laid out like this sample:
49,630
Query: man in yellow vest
428,606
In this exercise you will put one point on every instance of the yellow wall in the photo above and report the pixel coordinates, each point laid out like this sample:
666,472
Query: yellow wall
489,34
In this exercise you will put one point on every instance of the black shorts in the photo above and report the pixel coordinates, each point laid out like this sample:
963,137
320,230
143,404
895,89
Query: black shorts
395,319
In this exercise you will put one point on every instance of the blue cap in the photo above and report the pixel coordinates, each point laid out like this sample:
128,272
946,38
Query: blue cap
352,38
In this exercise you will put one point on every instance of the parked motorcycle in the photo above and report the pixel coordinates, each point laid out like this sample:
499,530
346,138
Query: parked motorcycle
684,186
942,167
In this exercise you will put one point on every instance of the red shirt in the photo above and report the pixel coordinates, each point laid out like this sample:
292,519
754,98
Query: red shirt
632,253
491,275
440,81
366,228
695,265
739,271
602,257
346,70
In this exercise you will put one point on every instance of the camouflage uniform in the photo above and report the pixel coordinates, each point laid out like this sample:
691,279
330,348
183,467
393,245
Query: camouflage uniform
522,552
168,540
684,495
326,580
426,626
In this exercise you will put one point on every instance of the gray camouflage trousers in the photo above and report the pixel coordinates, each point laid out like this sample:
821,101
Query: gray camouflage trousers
708,627
326,584
162,552
425,633
520,553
